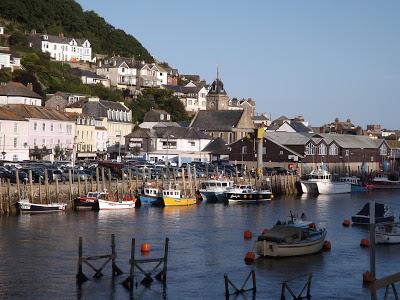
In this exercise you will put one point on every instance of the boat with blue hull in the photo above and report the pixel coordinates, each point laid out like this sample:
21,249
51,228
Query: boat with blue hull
356,184
151,196
213,191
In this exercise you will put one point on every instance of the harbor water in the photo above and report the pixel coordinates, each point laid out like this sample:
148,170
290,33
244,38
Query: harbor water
38,253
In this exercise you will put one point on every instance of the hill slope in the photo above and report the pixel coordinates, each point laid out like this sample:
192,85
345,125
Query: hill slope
67,16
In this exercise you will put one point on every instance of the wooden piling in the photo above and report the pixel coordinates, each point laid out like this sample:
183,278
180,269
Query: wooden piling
57,191
40,191
97,180
79,184
109,180
70,186
46,185
18,185
103,179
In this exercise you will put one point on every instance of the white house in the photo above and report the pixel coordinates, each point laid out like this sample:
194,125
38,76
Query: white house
89,77
17,93
8,60
62,48
121,72
13,136
47,128
193,97
178,144
1,30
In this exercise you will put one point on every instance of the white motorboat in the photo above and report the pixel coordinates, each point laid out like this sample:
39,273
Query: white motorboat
213,190
24,206
320,181
388,233
289,240
247,194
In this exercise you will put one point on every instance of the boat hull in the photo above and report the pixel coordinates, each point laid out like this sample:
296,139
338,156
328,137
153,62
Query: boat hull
168,201
364,220
147,200
309,187
387,234
327,188
247,197
86,204
113,205
273,249
26,207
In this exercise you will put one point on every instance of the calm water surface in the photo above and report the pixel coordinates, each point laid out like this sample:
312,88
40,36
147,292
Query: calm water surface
38,253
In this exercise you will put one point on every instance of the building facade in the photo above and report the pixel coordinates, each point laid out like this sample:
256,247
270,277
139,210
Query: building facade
17,93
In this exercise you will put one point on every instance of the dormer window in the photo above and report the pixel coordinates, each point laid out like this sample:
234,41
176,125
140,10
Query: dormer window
168,117
45,37
162,117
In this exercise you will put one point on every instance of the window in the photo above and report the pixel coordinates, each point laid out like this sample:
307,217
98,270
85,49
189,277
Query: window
34,142
244,149
322,149
192,144
189,102
51,127
281,152
60,128
15,127
311,149
44,126
162,117
69,129
347,153
35,126
383,150
15,142
15,157
333,150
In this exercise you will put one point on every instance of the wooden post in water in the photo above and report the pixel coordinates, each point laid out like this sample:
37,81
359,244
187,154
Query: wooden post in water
1,198
109,179
123,182
137,178
40,190
196,184
86,186
103,179
79,184
70,186
46,185
372,238
183,181
91,184
18,185
189,179
31,185
97,180
9,195
57,191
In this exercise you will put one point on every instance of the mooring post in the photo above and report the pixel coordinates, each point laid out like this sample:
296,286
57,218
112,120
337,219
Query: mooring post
80,277
309,286
115,269
97,180
103,179
283,291
226,286
18,185
253,275
128,282
165,261
30,185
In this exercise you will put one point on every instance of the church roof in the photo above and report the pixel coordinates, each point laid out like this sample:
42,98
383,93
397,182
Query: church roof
217,87
220,120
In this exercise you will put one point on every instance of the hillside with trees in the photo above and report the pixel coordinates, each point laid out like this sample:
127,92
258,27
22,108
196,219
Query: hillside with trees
67,16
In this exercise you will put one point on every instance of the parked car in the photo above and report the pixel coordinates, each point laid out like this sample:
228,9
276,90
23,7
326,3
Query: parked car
76,174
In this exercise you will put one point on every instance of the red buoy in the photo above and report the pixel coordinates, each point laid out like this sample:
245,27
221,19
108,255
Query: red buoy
346,223
145,247
327,246
364,243
367,277
250,258
247,235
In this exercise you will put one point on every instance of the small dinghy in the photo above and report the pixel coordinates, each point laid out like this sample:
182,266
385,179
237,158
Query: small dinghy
382,215
24,206
106,202
289,240
388,233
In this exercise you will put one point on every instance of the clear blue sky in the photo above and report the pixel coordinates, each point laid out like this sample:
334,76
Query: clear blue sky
320,59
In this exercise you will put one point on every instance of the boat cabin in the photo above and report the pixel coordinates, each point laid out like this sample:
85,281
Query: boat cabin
216,184
320,174
172,194
93,195
152,192
353,180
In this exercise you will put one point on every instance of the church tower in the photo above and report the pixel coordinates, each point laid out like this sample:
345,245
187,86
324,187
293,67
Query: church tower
217,98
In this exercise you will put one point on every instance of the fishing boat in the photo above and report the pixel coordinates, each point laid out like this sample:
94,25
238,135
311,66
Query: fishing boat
106,203
172,197
247,194
388,233
87,202
356,185
385,182
24,206
151,196
213,190
320,181
294,220
289,240
383,214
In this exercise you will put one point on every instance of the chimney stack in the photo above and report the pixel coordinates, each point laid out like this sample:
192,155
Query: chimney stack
61,34
30,86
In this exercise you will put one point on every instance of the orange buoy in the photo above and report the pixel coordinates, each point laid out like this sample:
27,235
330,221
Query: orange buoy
250,258
145,247
327,246
367,277
346,223
247,235
364,243
265,230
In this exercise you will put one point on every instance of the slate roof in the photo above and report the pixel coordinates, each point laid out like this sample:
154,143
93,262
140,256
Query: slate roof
184,89
37,112
393,144
217,87
217,146
7,114
342,140
259,118
153,115
220,120
299,127
86,73
180,133
57,39
141,133
17,89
